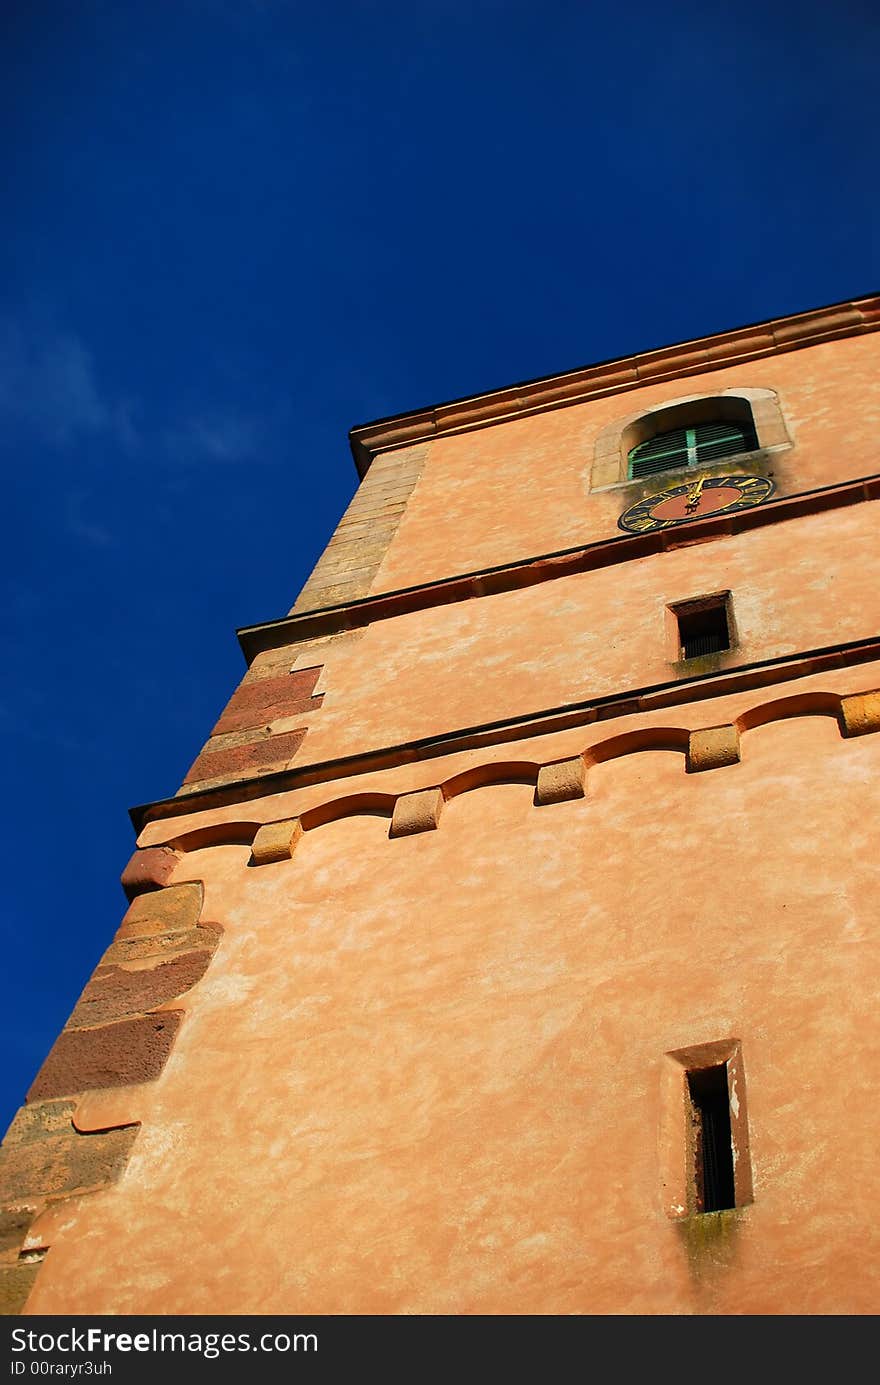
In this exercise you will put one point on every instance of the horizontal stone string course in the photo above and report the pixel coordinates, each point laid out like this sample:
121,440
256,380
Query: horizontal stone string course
712,747
371,442
350,614
117,1036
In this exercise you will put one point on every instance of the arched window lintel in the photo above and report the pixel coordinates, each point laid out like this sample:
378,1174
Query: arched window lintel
752,407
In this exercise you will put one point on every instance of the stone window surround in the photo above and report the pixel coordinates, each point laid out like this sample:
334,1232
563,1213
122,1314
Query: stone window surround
759,407
678,1150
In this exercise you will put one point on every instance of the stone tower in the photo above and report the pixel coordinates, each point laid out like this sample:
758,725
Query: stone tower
512,944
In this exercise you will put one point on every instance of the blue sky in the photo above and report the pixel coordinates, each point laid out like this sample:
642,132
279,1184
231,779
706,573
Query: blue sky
233,230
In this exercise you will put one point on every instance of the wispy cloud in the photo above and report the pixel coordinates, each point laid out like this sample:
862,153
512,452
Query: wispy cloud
50,390
48,386
216,437
83,526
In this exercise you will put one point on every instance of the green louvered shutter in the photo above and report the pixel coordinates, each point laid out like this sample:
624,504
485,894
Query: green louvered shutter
684,447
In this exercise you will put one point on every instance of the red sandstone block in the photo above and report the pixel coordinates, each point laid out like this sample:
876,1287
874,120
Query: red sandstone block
116,994
272,752
249,718
115,1055
149,869
259,701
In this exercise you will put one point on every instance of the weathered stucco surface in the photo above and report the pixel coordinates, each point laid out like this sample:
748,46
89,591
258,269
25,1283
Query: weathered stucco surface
500,493
424,1074
519,489
596,633
413,1043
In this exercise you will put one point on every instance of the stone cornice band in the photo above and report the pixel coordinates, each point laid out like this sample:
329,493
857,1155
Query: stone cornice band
850,318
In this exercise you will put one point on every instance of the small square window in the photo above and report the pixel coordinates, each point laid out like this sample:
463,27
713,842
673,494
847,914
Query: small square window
702,627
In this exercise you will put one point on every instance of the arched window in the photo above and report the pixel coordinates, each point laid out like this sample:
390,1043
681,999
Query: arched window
698,445
694,431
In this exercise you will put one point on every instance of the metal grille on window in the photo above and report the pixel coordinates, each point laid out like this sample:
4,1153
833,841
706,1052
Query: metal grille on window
715,1182
688,447
703,630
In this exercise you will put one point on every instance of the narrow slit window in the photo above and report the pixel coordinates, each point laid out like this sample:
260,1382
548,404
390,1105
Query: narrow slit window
703,629
704,1130
713,1149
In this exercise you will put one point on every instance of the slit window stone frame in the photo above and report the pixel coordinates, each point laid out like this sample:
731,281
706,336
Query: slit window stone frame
680,1181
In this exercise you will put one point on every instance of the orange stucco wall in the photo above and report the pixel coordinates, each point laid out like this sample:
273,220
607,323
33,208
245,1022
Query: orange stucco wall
497,494
425,1075
799,585
428,1073
510,491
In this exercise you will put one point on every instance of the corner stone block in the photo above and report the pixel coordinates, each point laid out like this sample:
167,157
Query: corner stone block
860,714
276,841
112,1055
16,1282
562,781
116,994
712,748
149,869
416,812
43,1156
159,947
172,910
14,1225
